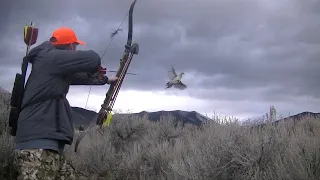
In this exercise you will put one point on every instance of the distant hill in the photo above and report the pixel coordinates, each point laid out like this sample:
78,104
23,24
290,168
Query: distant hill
83,117
191,117
294,118
299,117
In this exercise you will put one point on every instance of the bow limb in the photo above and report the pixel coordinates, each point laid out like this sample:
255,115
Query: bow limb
106,107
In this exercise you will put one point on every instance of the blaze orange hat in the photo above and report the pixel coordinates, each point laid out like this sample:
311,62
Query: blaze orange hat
65,35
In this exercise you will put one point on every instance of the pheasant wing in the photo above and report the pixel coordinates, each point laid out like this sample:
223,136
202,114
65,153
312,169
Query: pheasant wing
172,74
180,85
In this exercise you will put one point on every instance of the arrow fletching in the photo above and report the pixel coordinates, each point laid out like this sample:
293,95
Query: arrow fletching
30,34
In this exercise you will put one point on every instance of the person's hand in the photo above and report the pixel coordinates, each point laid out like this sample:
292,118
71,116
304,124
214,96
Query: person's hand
101,72
112,79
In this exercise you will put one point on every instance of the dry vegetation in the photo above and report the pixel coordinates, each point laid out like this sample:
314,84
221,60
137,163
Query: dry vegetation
140,149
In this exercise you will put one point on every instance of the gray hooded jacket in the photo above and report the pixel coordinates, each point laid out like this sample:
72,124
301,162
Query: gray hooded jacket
48,124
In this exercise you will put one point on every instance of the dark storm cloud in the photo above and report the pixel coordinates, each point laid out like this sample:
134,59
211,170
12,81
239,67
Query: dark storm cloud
256,50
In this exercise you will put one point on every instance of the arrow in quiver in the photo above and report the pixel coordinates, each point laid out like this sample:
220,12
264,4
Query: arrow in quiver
30,35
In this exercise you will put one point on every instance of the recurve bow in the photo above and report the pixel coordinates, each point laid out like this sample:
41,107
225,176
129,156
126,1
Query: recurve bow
103,118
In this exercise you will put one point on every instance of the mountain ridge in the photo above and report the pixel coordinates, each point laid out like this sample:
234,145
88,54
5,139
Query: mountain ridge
186,117
297,117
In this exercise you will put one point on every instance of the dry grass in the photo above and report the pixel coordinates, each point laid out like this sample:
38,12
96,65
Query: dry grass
7,168
140,149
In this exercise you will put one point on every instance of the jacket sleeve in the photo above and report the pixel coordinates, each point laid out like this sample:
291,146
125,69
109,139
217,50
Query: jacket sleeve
86,79
67,62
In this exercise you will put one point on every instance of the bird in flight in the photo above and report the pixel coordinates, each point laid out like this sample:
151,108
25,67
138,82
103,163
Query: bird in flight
175,80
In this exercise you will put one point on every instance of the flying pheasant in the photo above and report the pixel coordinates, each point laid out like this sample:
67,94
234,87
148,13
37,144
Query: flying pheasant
175,80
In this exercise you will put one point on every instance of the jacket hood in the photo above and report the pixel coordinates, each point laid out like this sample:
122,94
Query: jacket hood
34,51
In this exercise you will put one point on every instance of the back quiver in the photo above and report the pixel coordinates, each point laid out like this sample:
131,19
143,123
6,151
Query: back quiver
16,101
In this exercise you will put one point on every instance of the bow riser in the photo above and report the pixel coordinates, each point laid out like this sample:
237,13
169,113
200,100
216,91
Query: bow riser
116,91
113,86
133,50
113,91
106,106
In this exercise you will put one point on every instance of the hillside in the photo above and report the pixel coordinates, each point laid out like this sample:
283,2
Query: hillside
294,118
83,117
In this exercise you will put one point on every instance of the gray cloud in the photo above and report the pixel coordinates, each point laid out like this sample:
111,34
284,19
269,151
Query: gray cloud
263,51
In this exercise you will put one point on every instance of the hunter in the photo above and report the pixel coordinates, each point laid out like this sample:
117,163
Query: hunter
45,122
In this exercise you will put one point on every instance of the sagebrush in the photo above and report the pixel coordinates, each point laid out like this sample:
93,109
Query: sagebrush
141,149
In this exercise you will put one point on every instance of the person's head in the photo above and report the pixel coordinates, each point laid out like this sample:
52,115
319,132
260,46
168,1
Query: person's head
64,38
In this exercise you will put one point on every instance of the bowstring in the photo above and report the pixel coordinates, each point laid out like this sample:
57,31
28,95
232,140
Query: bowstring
103,54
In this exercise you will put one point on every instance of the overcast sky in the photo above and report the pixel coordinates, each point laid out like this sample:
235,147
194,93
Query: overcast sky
239,56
